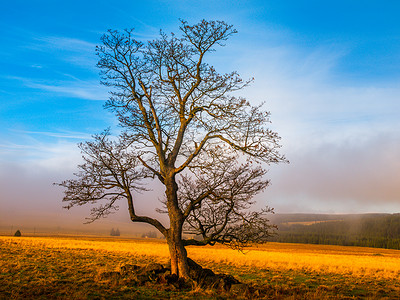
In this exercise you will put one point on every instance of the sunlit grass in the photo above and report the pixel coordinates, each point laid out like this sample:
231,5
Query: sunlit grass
373,262
317,258
45,264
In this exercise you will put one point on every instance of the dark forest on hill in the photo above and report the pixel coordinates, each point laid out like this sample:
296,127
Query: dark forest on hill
365,230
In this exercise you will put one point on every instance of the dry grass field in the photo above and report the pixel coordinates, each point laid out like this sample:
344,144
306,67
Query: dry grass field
69,268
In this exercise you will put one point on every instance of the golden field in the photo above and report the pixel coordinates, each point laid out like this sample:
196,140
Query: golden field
292,271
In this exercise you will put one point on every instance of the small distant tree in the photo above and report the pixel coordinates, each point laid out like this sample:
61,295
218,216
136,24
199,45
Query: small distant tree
115,232
150,234
17,233
182,126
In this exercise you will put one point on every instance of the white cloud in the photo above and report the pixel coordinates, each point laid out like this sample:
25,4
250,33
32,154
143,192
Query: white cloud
310,104
88,91
82,89
49,43
80,53
63,135
39,156
340,135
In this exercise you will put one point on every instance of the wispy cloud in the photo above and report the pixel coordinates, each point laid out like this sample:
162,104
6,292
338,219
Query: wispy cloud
74,51
14,147
33,154
62,135
49,43
37,66
89,90
43,150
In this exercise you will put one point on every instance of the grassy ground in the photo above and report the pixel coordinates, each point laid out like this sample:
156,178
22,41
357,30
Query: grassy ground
69,268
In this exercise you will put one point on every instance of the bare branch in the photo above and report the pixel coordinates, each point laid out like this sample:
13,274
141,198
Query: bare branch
110,173
216,204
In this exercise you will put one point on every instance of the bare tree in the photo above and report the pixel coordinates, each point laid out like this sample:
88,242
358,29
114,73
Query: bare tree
182,125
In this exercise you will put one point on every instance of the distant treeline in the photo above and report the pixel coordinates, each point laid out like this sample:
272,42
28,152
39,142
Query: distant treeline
369,230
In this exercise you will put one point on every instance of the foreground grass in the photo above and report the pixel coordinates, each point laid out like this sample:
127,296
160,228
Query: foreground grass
68,268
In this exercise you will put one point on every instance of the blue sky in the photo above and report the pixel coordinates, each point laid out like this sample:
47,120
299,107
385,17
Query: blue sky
328,71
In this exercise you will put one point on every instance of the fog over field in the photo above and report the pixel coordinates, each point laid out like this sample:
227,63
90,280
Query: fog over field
329,76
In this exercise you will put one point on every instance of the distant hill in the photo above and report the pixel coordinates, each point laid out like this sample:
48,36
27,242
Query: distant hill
366,230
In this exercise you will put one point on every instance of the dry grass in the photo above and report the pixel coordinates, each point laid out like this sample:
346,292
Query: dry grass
67,268
372,262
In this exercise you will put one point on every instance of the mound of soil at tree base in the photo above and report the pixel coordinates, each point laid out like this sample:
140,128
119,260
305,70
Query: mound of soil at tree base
157,273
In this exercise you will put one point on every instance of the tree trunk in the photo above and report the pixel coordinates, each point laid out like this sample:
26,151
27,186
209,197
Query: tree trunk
179,264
